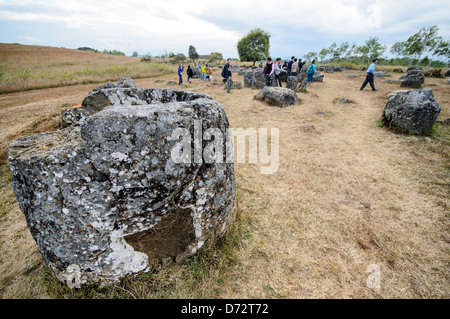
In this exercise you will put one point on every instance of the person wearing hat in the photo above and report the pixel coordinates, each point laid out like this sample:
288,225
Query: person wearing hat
369,76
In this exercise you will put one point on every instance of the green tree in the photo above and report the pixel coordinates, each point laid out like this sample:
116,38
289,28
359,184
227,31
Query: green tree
178,58
398,49
332,50
443,49
362,51
215,56
323,54
135,54
193,55
254,46
426,40
310,56
351,51
343,49
376,49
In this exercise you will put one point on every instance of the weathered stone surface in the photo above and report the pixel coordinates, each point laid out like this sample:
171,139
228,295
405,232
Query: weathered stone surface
237,85
388,96
333,68
413,111
197,72
292,83
278,96
302,78
254,78
234,68
248,75
123,82
414,78
258,78
104,198
380,74
317,77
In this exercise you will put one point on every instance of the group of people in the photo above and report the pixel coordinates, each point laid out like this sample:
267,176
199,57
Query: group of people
272,70
291,68
206,73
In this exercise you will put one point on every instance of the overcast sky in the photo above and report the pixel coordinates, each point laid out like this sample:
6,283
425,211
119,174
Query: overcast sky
296,27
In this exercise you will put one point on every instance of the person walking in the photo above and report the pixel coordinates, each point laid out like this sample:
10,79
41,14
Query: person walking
278,71
310,72
226,74
369,76
180,74
190,73
294,68
269,71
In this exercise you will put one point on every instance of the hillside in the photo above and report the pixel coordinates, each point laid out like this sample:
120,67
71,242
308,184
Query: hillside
26,67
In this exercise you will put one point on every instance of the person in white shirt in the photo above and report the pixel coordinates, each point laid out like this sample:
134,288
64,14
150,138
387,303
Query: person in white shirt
278,71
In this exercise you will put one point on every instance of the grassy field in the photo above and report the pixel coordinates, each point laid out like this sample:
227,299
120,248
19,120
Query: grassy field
348,194
24,67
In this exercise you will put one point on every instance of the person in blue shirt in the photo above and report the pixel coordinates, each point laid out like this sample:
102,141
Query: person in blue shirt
180,74
369,76
311,71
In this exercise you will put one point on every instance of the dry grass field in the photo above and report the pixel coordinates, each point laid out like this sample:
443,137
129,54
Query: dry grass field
25,67
348,194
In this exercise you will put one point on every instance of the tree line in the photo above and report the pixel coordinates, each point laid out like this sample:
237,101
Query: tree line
256,44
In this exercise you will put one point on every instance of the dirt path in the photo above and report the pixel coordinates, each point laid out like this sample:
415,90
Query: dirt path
348,194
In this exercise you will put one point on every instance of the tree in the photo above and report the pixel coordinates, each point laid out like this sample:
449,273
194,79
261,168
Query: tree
193,55
362,51
135,54
332,50
398,49
343,49
375,48
351,51
177,58
443,49
426,40
214,56
254,46
310,56
323,54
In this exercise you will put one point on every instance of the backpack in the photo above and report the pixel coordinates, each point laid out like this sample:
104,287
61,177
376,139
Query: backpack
223,71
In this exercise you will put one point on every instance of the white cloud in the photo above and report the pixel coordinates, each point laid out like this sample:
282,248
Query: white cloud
173,25
31,39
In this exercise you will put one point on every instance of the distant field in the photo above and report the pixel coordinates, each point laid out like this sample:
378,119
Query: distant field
24,67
